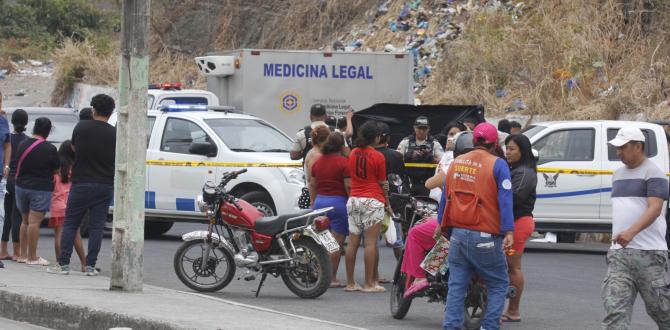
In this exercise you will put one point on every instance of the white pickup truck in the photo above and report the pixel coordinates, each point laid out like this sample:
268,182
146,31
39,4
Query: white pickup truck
210,141
572,203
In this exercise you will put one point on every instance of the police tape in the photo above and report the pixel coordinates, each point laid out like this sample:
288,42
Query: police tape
299,165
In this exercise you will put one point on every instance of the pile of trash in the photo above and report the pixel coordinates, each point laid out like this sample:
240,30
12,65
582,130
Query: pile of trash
426,28
28,68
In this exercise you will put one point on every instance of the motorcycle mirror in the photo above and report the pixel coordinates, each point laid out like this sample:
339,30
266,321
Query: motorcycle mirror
395,179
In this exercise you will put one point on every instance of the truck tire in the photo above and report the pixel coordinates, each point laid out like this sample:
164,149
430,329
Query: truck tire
153,229
566,237
262,201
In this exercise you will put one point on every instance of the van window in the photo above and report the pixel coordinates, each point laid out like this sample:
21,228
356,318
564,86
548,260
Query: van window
150,128
571,145
650,148
179,134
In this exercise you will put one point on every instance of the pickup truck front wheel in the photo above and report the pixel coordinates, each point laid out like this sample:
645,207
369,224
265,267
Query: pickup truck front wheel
262,201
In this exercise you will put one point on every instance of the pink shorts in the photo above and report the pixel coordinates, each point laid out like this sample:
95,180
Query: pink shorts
523,228
56,222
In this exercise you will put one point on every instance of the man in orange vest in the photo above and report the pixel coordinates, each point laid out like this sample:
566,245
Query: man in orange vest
478,212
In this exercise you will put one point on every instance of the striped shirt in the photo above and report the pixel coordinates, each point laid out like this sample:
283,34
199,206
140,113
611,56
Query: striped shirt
630,189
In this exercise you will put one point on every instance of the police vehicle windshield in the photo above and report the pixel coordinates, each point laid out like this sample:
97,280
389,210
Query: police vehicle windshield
249,135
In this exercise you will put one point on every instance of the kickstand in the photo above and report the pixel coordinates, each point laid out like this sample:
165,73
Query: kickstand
260,284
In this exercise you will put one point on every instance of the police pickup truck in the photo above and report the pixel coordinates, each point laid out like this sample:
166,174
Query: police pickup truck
574,172
171,93
188,145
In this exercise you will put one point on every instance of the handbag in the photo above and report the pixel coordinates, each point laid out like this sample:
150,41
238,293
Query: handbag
25,154
436,260
304,201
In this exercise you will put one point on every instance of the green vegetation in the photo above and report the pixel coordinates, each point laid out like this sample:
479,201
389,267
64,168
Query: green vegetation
34,28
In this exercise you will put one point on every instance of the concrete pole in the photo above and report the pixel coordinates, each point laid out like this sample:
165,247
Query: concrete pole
128,235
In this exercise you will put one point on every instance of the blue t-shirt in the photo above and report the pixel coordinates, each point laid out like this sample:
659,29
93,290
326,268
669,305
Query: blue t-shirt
4,136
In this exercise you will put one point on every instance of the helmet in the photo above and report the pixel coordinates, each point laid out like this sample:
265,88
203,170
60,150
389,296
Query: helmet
463,143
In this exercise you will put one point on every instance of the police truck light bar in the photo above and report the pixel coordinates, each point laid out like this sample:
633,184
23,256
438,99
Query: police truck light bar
182,108
166,86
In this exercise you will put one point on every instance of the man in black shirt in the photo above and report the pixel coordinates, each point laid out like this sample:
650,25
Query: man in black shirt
94,143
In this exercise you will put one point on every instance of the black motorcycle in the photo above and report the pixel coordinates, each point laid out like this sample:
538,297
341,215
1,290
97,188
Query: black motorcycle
416,210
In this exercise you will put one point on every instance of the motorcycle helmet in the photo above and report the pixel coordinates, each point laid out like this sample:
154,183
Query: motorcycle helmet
463,143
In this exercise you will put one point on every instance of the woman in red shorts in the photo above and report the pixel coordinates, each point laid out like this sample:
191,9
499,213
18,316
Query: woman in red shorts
523,169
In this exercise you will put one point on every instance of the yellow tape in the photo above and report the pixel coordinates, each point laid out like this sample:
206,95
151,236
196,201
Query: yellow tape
219,164
298,165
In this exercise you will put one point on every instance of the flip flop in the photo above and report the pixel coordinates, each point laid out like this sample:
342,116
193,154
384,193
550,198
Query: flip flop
39,262
383,280
376,289
352,289
21,260
507,318
337,284
6,258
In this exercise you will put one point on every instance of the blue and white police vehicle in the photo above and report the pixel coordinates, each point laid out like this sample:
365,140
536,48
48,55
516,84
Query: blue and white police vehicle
192,144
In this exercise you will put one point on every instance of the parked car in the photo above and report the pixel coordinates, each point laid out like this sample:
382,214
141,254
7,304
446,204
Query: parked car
63,121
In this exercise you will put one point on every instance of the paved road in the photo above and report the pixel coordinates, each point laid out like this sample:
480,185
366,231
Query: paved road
562,290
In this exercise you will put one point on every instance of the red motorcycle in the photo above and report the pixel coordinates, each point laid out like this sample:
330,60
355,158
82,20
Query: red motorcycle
293,246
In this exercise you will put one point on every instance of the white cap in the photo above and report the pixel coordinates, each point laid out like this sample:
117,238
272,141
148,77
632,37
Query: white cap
626,135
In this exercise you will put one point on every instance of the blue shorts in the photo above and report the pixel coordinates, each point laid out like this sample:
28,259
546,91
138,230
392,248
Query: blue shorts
32,200
339,221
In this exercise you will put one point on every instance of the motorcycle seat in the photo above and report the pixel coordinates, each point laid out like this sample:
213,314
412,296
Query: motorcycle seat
274,225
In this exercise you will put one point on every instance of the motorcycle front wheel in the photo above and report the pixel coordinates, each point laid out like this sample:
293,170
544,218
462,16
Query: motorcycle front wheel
399,305
204,273
310,275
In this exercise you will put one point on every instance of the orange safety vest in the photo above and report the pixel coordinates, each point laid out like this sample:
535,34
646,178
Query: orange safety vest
472,193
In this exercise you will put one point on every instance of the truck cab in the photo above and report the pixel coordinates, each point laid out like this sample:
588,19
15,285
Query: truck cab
190,145
568,203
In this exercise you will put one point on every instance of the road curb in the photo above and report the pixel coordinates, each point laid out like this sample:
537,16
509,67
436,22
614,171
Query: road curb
60,315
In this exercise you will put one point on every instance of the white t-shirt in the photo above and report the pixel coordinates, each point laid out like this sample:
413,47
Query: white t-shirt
630,190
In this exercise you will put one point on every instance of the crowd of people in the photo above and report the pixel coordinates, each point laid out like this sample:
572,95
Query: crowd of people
69,182
485,179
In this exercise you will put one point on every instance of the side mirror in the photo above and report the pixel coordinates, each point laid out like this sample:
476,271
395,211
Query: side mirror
203,148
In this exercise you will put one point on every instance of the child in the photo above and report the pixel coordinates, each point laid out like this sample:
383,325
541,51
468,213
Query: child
62,185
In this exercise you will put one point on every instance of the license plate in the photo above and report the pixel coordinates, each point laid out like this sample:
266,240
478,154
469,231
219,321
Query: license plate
329,241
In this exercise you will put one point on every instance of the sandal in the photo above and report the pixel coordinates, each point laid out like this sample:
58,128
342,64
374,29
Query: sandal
507,318
337,284
21,260
376,289
8,257
39,262
355,288
383,280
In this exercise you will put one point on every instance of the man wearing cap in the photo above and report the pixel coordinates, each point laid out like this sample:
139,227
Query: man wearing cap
423,149
303,139
637,261
478,212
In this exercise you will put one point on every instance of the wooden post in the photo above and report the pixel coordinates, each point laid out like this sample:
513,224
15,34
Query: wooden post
128,235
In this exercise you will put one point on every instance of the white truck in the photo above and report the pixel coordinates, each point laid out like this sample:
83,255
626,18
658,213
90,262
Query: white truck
171,93
280,86
186,146
571,203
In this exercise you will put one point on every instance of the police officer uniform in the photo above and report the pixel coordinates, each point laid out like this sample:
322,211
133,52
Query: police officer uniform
428,151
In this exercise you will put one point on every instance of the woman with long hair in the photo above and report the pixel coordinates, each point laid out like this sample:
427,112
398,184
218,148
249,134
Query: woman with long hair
523,168
366,206
38,160
332,183
12,216
318,136
62,184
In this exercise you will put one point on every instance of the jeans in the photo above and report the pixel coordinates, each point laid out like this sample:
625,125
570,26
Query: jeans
12,215
94,198
473,252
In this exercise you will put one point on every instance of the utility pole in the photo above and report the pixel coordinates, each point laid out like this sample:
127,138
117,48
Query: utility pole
128,235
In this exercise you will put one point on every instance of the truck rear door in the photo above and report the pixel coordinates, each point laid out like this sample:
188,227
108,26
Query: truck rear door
565,197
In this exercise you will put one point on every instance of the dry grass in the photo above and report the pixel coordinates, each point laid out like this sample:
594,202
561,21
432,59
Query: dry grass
554,41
